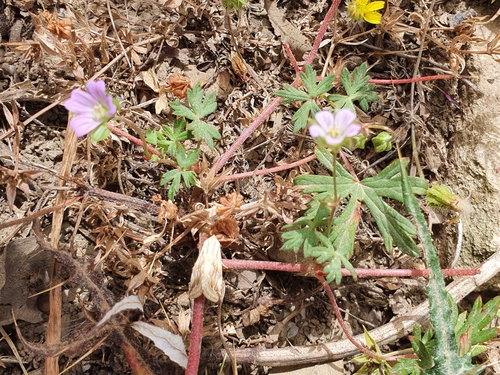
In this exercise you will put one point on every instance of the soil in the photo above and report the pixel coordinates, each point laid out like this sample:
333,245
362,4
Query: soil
49,49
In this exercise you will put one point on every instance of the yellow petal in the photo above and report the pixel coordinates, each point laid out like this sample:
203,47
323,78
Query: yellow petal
376,5
373,17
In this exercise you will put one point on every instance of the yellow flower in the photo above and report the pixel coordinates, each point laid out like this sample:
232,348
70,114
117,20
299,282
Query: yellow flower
365,10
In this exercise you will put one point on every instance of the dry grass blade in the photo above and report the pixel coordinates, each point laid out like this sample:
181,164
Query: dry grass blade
14,350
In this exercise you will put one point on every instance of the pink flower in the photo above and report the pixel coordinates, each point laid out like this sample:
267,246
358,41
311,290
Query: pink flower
331,129
92,107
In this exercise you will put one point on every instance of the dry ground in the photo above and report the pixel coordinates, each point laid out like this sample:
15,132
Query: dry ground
135,46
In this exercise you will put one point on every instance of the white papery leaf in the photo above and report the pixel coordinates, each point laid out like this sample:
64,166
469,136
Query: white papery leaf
171,344
128,303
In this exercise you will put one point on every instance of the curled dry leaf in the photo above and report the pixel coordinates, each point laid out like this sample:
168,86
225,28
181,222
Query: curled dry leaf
151,79
168,210
206,277
239,66
178,85
226,230
59,27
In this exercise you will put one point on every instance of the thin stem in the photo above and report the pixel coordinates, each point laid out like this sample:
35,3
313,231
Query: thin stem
133,139
196,336
268,170
310,269
335,196
340,320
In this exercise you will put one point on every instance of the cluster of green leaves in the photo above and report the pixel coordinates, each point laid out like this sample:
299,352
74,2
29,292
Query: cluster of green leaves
189,125
471,330
357,89
334,249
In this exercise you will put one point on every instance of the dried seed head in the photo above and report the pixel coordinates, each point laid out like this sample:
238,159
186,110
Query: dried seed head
206,277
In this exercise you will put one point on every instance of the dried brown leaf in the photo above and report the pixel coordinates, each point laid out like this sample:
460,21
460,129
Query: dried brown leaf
178,85
290,35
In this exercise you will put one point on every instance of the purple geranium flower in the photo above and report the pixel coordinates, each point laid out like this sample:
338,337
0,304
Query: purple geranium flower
331,129
92,107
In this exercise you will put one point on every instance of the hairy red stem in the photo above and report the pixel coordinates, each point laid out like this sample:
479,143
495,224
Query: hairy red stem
196,336
268,170
235,264
409,80
133,139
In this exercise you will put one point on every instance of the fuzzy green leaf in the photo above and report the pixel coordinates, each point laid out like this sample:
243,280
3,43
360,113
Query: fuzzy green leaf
204,132
309,107
358,89
291,94
445,353
406,366
173,176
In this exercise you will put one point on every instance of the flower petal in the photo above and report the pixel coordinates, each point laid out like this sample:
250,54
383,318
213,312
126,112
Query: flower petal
325,119
111,106
316,131
376,5
97,89
334,141
344,118
373,17
80,102
352,130
83,124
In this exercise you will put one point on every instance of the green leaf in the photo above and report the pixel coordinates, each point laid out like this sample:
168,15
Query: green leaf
189,178
425,358
445,353
358,89
173,176
336,249
300,238
309,107
406,366
309,80
184,160
203,131
478,318
201,106
182,110
291,94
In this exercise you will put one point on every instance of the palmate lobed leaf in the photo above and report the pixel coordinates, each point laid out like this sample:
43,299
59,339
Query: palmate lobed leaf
358,89
392,225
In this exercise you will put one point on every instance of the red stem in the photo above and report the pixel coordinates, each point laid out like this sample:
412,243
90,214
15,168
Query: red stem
268,170
305,268
133,139
350,337
409,80
322,30
292,59
196,336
